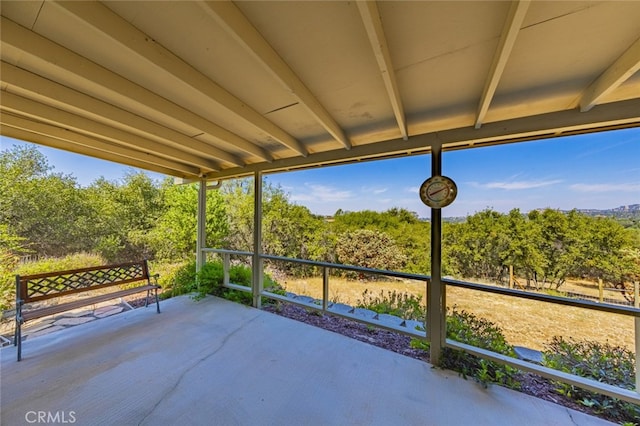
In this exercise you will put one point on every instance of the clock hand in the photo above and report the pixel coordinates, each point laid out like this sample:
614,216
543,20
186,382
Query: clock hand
431,194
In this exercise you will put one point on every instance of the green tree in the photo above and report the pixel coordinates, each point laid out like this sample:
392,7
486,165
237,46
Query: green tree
125,214
476,248
174,236
48,210
288,229
238,197
606,250
522,245
559,245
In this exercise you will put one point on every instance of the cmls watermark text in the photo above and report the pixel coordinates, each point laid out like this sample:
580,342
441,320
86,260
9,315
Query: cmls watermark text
50,417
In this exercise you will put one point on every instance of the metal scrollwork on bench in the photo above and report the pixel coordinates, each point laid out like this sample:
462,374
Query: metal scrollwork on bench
49,285
38,287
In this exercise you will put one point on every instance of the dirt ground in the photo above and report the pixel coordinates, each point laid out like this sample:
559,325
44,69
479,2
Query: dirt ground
524,322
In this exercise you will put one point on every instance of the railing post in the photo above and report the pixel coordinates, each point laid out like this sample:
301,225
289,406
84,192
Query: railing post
325,288
600,290
226,264
636,303
510,276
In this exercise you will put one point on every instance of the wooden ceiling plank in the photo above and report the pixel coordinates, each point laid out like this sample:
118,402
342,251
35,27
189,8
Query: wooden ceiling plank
110,24
236,24
35,45
373,24
78,149
27,107
58,93
79,143
512,25
619,72
624,114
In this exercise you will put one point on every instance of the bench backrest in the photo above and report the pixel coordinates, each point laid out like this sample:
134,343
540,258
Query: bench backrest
32,288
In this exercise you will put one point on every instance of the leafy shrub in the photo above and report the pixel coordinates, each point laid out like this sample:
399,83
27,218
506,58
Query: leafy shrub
182,281
186,280
465,327
604,363
53,264
210,278
6,287
11,248
166,272
403,305
8,261
241,275
369,249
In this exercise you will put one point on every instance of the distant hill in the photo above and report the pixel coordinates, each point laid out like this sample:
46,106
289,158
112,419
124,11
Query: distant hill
632,210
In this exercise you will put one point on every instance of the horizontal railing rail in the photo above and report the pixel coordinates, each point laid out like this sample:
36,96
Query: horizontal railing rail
587,304
395,274
593,385
352,268
324,305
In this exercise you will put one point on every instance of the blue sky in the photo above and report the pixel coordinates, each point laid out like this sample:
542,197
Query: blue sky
597,171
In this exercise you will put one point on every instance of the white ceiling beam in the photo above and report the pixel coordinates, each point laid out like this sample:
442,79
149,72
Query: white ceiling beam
26,107
110,24
35,46
39,139
622,114
512,25
619,72
236,24
80,144
373,24
36,86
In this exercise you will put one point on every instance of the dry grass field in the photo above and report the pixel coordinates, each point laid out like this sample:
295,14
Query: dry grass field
524,322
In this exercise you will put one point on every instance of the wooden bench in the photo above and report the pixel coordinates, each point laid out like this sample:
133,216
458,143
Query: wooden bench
50,285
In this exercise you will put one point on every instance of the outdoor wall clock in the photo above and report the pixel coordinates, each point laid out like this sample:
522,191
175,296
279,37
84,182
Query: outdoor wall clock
438,191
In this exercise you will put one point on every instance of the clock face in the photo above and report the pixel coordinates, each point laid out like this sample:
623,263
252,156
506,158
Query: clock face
438,191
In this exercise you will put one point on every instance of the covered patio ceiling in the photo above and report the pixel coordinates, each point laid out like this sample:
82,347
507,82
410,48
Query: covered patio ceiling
224,89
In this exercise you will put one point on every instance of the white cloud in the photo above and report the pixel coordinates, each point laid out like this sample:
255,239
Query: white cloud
300,197
373,190
321,193
516,185
606,187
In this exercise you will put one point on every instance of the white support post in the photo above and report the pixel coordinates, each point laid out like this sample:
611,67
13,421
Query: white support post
257,282
201,234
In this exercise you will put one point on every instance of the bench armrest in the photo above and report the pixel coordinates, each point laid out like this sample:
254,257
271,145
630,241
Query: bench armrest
154,277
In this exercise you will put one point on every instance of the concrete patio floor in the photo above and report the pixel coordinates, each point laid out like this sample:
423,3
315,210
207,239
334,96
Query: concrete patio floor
214,362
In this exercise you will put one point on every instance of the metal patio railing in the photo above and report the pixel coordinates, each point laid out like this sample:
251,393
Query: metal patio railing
324,306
